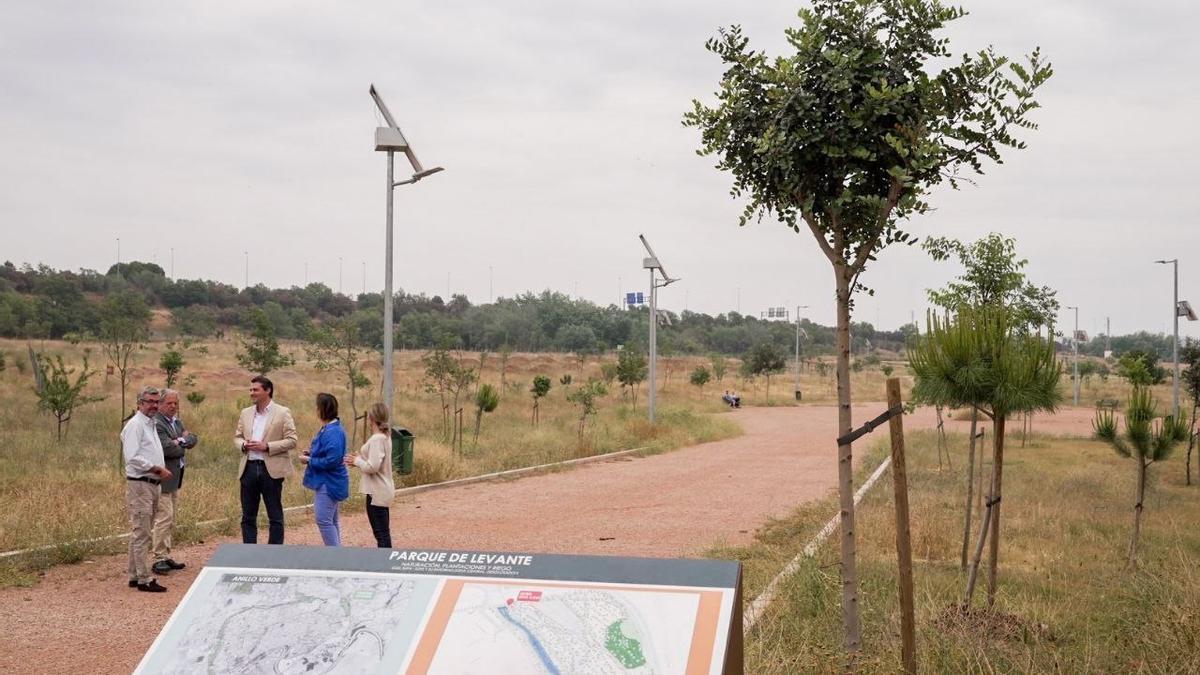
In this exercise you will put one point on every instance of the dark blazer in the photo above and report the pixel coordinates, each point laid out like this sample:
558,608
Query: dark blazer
173,451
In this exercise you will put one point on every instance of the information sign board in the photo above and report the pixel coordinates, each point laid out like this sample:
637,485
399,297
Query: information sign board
302,609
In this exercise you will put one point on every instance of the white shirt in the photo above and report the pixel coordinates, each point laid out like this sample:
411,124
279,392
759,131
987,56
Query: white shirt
141,446
259,430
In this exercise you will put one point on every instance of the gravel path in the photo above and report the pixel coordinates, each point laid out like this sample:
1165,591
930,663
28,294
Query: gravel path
83,618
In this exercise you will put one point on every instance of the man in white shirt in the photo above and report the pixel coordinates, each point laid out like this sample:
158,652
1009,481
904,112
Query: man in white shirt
145,469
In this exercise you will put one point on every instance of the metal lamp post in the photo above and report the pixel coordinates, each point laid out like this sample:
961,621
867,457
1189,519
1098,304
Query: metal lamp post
651,263
390,139
1178,309
1075,354
797,388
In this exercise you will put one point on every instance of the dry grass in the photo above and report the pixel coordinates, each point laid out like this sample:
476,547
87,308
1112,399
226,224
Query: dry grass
1065,602
57,492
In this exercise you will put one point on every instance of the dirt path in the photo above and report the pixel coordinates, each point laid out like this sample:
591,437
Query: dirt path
83,618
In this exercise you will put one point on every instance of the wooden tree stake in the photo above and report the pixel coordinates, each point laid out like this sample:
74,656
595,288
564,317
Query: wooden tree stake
903,536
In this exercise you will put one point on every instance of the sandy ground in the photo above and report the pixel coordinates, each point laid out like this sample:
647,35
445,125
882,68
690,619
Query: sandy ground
84,619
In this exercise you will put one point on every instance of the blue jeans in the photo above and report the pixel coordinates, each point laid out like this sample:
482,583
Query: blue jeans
327,517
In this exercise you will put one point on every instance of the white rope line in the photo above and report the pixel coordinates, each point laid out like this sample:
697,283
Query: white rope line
756,609
511,473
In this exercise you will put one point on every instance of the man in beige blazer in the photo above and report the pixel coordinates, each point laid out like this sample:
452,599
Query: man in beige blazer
266,436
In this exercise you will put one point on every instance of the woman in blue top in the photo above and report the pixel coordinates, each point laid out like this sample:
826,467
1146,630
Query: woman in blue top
326,474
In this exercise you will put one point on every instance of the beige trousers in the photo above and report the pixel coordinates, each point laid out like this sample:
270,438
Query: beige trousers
142,499
164,523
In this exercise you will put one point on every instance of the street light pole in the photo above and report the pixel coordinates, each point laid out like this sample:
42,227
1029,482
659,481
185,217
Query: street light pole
391,139
246,284
653,342
1175,340
1075,356
798,308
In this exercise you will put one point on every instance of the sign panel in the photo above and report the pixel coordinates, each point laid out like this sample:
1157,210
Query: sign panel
303,609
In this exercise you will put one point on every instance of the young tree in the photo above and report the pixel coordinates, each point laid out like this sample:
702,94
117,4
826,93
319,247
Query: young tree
765,359
1190,378
486,400
260,353
460,380
847,137
124,326
196,398
1144,441
632,368
586,397
541,387
992,276
439,370
505,354
719,366
700,377
172,362
982,359
61,396
336,346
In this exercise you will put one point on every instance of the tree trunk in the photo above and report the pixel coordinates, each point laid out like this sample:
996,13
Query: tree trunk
478,423
1137,512
850,611
997,494
985,525
1192,439
966,542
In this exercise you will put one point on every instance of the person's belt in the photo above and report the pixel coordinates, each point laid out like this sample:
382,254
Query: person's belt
144,479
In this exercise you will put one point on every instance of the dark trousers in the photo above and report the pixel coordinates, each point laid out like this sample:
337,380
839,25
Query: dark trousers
380,519
256,484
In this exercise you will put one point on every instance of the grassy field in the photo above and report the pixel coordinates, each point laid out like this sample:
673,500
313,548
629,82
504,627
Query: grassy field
56,492
1065,602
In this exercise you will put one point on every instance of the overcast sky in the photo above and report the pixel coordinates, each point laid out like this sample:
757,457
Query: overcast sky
216,128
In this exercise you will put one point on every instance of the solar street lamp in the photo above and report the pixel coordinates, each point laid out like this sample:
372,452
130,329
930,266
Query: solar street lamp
390,139
652,263
1179,308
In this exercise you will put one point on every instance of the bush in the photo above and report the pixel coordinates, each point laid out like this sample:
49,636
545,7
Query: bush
196,398
700,376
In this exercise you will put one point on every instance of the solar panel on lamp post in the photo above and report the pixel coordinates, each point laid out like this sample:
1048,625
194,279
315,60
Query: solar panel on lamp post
651,263
390,139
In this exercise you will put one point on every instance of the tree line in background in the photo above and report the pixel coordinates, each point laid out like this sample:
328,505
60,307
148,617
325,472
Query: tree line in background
40,302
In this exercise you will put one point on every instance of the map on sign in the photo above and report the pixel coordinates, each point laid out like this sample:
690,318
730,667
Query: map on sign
560,630
315,610
297,623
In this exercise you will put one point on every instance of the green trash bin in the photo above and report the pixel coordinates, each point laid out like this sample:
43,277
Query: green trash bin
402,451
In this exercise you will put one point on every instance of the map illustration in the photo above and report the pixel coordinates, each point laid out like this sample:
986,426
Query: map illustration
564,631
255,623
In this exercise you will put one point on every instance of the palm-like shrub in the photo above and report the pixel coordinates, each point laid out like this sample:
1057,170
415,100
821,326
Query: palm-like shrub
1146,440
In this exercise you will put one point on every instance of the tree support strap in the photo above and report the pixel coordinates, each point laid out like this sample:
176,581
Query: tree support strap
870,426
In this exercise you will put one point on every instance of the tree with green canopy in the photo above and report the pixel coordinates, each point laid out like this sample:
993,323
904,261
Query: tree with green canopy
983,358
847,136
1146,441
61,395
539,390
487,398
992,276
337,346
765,359
124,327
260,353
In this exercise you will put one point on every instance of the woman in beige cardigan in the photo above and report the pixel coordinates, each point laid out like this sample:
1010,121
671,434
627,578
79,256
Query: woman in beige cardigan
374,460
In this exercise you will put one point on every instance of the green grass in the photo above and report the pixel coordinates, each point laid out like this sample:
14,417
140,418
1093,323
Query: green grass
1065,602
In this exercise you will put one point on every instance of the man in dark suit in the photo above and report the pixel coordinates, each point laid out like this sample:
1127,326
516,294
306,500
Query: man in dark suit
175,442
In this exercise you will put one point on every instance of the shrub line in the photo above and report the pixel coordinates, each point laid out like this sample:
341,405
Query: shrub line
759,606
401,492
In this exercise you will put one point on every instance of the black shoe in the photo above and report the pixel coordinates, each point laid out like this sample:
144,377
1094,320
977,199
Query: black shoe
151,587
174,565
161,567
133,583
